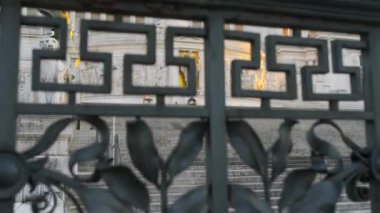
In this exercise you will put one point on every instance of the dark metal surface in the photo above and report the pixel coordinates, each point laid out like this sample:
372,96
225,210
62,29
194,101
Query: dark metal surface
216,147
9,55
239,65
124,191
373,103
353,10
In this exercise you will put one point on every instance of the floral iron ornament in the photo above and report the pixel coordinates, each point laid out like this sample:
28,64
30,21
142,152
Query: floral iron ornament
147,160
124,191
301,192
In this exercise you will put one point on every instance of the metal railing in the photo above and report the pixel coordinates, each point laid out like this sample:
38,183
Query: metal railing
124,190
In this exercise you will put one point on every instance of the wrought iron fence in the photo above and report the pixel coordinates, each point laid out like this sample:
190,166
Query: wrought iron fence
124,191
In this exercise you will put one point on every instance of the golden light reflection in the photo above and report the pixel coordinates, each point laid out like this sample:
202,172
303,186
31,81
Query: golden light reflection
71,24
242,51
286,31
66,16
182,76
261,78
71,35
182,80
77,63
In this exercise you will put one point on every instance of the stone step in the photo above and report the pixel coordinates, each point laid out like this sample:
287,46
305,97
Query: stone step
341,207
176,194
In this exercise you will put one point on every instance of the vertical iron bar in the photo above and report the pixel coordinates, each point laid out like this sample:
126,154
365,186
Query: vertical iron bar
297,33
119,18
160,100
334,105
371,65
9,37
215,101
265,104
72,98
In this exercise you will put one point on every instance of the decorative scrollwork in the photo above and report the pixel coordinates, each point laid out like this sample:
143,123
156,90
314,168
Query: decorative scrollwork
124,190
290,69
106,58
39,55
301,192
307,72
239,65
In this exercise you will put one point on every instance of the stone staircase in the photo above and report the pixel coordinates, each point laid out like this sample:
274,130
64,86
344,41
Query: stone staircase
166,132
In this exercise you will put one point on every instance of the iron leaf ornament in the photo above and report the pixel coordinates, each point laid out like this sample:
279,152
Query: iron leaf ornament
122,182
189,145
321,197
193,201
301,192
147,160
249,147
244,200
281,149
296,185
143,152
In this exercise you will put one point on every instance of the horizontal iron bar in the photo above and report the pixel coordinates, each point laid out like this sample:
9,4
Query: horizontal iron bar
234,112
352,11
111,110
286,21
253,15
186,112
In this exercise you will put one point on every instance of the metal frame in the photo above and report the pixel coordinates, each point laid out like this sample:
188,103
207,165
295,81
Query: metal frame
356,16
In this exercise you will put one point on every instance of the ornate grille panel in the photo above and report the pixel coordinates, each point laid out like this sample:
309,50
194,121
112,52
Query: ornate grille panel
124,190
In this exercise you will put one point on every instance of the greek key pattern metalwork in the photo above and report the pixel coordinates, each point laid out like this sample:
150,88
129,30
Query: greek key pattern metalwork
237,66
124,191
